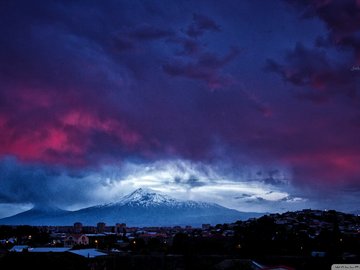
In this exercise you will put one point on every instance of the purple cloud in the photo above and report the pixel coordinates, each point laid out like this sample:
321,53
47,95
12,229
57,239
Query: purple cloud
206,67
317,77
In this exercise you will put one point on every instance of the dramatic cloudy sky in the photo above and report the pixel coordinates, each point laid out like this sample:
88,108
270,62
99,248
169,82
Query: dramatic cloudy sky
251,104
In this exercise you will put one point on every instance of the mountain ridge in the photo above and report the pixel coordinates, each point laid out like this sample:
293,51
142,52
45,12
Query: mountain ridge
142,207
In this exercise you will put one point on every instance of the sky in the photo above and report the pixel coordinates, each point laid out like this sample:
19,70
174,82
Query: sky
250,104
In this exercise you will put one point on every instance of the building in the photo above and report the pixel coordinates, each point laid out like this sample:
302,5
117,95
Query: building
101,227
76,239
78,227
120,228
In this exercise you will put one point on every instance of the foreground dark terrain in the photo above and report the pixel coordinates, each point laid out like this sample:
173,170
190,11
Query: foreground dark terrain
307,239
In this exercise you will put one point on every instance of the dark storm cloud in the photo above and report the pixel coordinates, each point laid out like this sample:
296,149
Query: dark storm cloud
206,67
53,76
149,32
242,196
339,23
190,182
316,77
256,200
323,74
14,180
64,72
41,185
201,24
342,18
275,178
318,72
131,38
189,46
83,84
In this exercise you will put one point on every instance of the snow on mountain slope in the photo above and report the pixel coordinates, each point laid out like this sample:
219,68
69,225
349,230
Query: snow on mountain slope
149,198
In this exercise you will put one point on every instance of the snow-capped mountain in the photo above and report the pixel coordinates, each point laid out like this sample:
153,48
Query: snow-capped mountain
143,207
149,198
146,197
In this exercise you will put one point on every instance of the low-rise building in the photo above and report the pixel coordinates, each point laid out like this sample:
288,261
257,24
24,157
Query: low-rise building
76,239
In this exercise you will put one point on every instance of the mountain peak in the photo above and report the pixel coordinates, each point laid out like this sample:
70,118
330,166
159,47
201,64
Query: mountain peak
146,197
142,191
